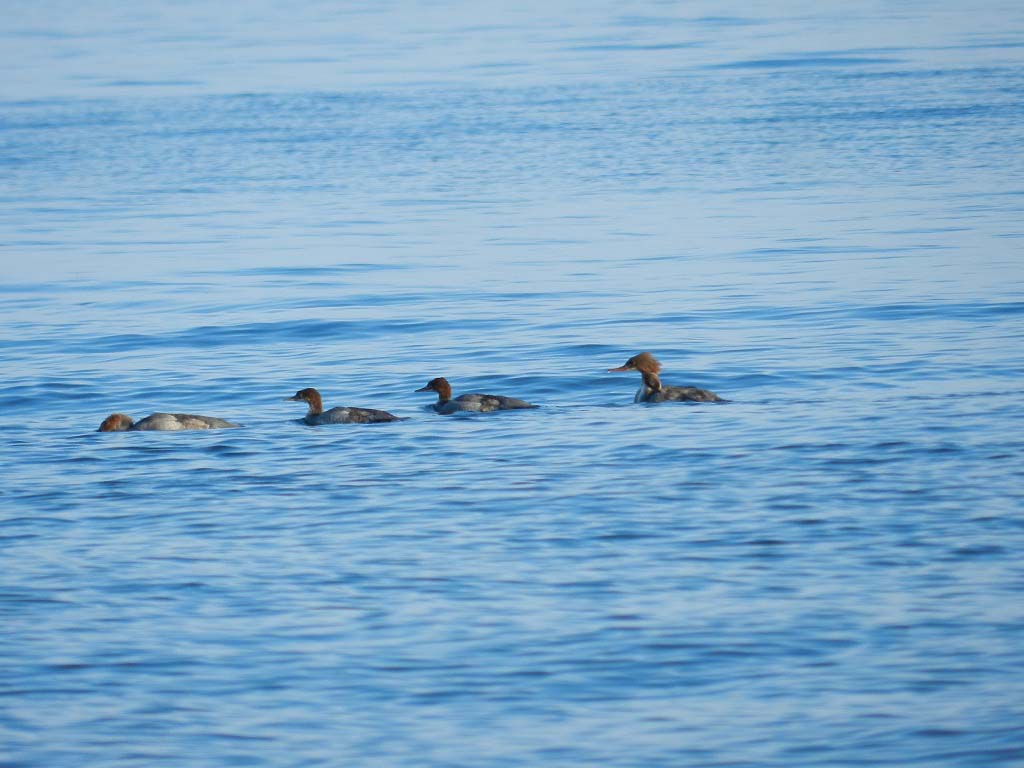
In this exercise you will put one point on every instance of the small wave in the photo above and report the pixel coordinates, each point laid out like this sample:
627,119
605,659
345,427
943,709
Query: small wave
807,62
298,331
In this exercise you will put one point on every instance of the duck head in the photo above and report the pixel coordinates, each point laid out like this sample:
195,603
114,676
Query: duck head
439,385
643,362
116,422
310,396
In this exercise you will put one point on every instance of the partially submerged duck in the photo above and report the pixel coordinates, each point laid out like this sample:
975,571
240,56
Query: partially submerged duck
339,415
653,391
469,402
163,422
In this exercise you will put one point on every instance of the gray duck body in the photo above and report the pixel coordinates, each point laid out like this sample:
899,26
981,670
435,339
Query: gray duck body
471,402
175,421
163,422
480,404
316,415
346,415
683,394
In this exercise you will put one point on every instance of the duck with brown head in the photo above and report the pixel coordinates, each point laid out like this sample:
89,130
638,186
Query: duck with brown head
653,391
471,402
316,414
162,422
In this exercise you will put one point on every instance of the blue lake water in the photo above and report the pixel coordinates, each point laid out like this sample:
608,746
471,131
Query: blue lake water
814,209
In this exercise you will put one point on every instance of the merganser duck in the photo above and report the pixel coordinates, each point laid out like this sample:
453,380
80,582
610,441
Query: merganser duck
163,422
339,415
470,402
653,391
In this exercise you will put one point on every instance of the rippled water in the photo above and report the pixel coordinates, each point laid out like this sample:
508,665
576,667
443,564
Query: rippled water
814,210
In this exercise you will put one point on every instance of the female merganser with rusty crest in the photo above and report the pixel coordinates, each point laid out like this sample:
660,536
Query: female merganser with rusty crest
653,391
339,415
163,422
445,405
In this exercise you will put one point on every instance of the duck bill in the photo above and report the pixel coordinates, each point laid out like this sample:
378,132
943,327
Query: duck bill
620,369
425,389
293,397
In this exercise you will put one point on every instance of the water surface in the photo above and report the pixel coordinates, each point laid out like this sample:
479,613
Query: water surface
814,210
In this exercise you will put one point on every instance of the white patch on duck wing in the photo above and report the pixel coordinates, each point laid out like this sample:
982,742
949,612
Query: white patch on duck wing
488,403
188,421
469,402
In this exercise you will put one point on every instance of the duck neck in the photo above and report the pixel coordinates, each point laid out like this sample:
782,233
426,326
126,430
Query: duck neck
444,393
316,404
651,382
